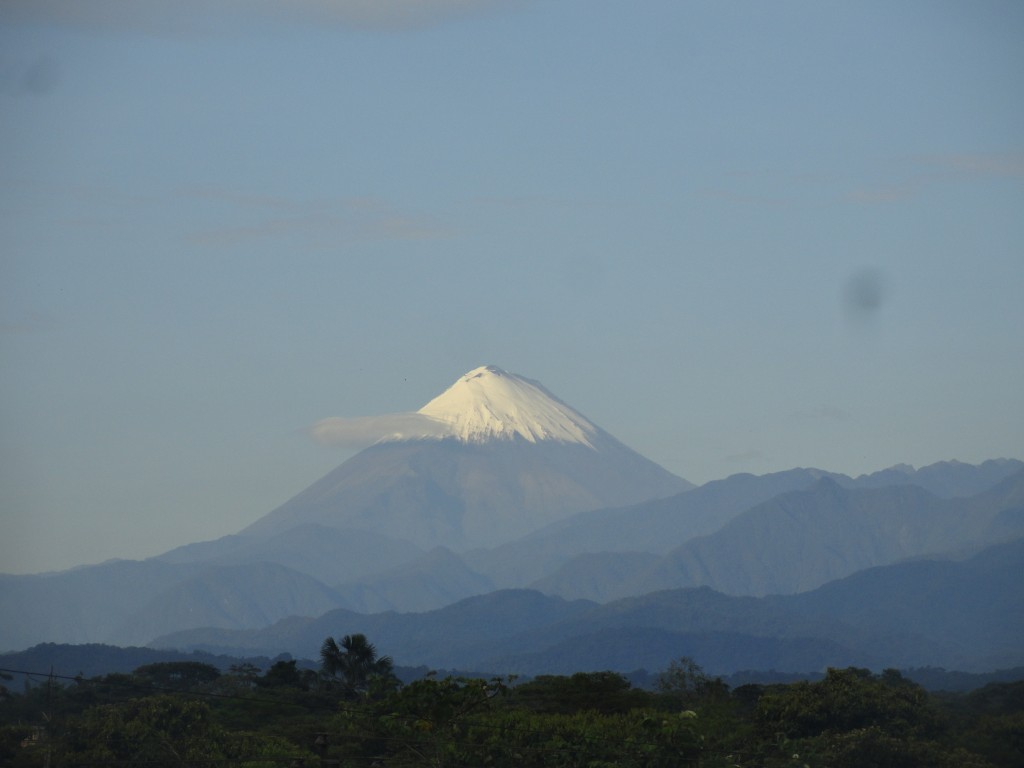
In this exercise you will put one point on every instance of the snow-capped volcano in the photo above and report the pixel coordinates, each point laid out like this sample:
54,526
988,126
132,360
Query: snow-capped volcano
492,458
489,403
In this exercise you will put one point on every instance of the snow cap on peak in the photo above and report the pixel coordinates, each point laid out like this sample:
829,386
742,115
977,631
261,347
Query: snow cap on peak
484,370
488,403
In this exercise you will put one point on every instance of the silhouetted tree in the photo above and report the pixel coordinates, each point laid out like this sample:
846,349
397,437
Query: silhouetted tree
685,680
355,663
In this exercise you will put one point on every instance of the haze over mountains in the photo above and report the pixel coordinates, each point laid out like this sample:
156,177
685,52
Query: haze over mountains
506,532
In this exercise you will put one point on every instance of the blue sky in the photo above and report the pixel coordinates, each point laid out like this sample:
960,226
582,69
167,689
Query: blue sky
739,236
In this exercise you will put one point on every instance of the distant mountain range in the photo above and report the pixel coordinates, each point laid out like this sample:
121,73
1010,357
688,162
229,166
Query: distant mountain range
802,539
509,533
958,614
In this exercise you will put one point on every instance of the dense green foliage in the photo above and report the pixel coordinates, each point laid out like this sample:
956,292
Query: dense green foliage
354,712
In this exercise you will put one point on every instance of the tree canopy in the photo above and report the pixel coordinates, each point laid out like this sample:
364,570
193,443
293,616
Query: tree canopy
354,711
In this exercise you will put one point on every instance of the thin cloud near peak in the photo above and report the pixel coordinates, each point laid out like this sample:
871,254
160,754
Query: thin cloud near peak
366,430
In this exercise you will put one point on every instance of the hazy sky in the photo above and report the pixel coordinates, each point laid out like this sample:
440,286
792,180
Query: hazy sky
740,236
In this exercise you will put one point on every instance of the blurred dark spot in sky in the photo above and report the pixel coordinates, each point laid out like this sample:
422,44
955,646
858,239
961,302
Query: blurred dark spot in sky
40,77
863,293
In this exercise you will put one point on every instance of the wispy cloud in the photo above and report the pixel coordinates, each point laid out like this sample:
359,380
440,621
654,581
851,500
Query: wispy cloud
769,187
745,457
27,324
930,170
396,13
240,199
319,223
820,413
177,17
744,198
980,164
886,193
900,180
367,430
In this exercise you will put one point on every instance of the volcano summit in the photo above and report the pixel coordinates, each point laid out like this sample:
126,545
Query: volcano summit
498,457
490,404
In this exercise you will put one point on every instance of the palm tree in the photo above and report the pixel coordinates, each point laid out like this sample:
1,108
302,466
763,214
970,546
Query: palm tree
355,662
